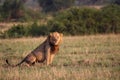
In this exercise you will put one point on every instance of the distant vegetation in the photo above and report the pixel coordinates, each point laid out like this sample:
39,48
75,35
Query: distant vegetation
77,21
73,21
14,10
65,17
18,31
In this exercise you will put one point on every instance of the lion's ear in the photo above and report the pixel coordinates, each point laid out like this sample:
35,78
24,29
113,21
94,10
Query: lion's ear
50,34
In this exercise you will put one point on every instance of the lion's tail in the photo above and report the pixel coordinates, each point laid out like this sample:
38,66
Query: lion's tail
14,65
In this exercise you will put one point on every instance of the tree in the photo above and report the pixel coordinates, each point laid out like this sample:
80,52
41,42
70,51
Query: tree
55,5
12,9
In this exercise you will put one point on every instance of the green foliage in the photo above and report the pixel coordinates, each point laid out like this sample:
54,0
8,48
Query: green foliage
15,31
12,9
18,31
74,21
77,21
110,19
36,30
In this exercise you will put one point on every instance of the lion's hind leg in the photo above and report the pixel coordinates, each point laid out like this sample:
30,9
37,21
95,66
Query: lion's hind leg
30,60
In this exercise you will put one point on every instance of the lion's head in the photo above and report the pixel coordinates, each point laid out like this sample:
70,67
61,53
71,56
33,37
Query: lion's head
55,38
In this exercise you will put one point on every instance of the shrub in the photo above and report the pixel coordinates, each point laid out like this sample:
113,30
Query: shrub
15,31
74,21
18,31
36,30
111,19
77,21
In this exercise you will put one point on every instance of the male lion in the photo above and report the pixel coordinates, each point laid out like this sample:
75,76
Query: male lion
44,52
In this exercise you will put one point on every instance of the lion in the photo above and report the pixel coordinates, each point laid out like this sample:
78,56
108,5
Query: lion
45,52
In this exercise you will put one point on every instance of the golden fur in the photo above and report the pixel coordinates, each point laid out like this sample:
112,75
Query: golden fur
44,52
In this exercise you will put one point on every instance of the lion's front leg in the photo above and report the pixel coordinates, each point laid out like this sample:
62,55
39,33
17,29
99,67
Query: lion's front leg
48,58
47,55
51,58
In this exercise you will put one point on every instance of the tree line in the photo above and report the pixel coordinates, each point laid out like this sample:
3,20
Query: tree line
77,21
73,21
14,10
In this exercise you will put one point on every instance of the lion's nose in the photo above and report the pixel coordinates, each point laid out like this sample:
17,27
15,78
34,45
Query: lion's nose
54,41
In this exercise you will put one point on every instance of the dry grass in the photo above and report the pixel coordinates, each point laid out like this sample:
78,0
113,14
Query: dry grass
96,6
80,58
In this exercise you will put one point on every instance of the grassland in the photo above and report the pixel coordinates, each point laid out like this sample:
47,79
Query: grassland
80,58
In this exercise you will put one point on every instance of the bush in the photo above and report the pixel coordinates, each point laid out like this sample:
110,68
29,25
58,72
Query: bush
110,21
74,21
18,31
79,21
14,10
36,30
15,31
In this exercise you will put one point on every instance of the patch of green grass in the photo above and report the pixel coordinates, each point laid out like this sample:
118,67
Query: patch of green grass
80,58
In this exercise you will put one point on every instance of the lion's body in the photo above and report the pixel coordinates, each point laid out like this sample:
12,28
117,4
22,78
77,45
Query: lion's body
44,52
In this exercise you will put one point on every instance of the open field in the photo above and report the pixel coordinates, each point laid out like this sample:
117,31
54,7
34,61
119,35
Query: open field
80,58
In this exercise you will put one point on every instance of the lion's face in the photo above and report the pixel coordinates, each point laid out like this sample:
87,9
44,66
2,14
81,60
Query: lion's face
55,38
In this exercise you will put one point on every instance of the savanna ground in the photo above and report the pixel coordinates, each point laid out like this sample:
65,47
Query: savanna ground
80,58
